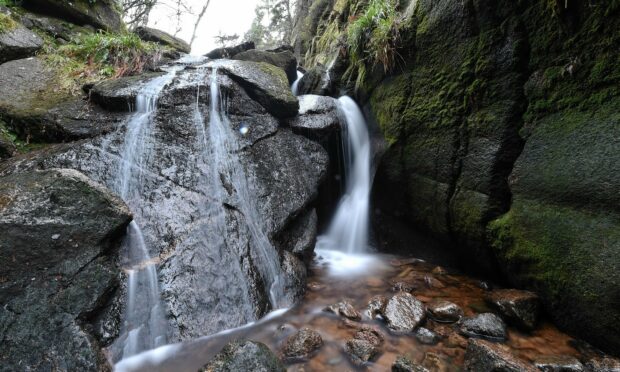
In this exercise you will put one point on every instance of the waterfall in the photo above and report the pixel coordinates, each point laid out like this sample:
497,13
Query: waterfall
144,325
348,231
295,85
229,169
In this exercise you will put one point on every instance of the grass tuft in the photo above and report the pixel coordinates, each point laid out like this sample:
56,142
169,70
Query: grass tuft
6,23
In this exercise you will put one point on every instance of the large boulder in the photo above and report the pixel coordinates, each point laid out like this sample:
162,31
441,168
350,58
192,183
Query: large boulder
284,60
16,41
34,108
265,83
59,241
101,14
245,356
229,52
163,38
189,218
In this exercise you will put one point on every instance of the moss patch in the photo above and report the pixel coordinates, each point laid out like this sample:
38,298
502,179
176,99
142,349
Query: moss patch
6,23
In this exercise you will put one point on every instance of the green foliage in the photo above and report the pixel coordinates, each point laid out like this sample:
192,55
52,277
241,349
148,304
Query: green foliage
373,39
6,23
112,54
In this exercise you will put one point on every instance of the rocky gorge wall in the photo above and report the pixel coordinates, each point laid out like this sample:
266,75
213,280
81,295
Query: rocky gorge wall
502,130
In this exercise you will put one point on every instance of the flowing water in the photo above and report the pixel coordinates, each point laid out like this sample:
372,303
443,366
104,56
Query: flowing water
329,283
296,83
348,231
230,170
144,326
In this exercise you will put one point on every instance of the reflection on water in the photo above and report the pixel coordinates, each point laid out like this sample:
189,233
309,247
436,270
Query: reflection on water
366,276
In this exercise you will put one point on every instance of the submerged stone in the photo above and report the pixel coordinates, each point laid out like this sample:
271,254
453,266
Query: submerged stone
483,355
403,364
361,351
558,363
345,309
444,311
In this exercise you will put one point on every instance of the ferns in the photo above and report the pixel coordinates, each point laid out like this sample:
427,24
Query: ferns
372,40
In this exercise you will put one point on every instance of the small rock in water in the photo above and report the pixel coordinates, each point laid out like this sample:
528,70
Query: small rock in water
403,364
444,311
486,325
434,362
369,334
484,285
432,282
426,336
345,309
558,363
302,344
404,312
603,363
244,356
376,306
314,286
483,355
361,351
439,271
402,287
519,307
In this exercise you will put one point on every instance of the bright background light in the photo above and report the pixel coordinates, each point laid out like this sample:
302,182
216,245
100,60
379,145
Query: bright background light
227,16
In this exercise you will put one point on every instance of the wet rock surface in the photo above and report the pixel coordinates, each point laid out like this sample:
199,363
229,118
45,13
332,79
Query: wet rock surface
376,306
18,43
483,355
60,234
316,81
230,52
283,171
404,312
264,83
284,60
426,336
245,356
302,344
558,363
487,325
444,311
163,38
120,94
520,307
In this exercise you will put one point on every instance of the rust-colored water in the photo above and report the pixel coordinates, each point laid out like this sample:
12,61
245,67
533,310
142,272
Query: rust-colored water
376,277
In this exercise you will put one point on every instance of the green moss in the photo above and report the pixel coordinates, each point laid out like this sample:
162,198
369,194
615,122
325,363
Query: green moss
388,102
6,23
21,145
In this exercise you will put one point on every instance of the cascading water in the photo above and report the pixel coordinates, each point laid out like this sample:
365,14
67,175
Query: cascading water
230,169
295,85
348,231
144,325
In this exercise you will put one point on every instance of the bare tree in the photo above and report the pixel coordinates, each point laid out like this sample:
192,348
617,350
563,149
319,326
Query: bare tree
198,19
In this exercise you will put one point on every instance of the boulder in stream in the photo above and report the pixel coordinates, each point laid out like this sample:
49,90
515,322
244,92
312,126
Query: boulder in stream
444,311
163,38
345,309
404,312
245,356
59,243
302,344
519,307
364,346
486,325
483,355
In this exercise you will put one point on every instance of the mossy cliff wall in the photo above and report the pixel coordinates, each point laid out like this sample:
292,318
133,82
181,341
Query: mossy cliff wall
502,119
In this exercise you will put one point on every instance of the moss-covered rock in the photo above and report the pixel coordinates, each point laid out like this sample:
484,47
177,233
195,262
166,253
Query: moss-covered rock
163,38
16,41
284,60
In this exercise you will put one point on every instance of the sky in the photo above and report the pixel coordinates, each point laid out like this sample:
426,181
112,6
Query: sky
227,16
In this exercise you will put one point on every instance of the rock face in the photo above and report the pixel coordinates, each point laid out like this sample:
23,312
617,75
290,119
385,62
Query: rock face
245,356
265,83
120,94
163,38
318,118
502,141
59,241
316,81
487,325
302,344
404,312
101,14
178,200
32,109
520,307
284,60
18,42
483,355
